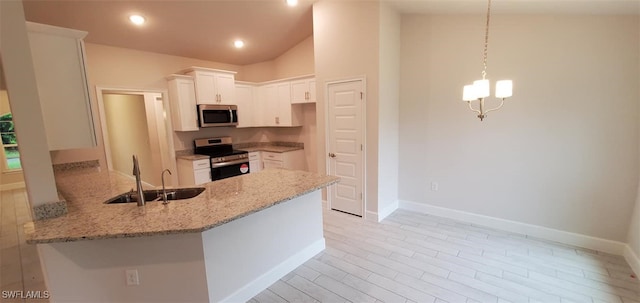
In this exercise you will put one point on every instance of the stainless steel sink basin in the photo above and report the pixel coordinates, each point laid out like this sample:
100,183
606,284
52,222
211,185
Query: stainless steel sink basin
156,195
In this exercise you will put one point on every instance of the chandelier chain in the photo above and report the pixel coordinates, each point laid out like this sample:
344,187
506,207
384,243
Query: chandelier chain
486,42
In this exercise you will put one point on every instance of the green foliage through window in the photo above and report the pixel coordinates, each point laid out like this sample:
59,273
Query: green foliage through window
9,141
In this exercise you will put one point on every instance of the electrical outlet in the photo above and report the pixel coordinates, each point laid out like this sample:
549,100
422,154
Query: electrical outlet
434,186
132,277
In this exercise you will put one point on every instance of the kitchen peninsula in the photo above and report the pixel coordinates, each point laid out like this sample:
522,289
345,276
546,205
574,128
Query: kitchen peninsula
227,244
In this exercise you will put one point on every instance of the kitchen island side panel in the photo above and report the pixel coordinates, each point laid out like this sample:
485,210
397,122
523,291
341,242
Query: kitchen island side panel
170,269
245,256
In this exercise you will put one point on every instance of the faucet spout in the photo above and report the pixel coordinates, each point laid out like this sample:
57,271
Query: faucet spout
164,191
136,173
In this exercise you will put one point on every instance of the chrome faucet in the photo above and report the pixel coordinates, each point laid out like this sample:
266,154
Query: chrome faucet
136,172
164,191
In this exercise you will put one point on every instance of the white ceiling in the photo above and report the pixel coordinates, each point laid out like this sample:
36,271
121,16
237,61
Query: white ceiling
205,29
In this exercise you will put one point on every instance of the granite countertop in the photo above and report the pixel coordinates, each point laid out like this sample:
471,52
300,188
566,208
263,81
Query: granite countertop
193,157
88,218
272,148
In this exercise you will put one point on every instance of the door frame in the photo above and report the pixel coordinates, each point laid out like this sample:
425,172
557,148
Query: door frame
363,133
100,90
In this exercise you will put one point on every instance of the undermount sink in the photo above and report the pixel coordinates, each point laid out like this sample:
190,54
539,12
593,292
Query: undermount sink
156,195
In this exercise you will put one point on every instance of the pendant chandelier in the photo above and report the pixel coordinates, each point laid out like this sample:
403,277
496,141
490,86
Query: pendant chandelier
480,89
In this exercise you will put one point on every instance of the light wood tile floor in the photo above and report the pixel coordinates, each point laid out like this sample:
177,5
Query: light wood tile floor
411,257
408,257
19,262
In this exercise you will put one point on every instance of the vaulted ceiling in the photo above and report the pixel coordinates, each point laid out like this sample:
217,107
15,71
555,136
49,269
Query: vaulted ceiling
206,29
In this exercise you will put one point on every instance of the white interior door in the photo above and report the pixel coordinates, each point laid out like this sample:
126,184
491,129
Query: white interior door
345,132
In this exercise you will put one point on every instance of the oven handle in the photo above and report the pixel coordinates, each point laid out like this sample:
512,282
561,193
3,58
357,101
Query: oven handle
223,164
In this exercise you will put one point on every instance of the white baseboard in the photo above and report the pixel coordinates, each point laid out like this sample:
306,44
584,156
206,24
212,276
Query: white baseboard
383,213
599,244
261,283
632,259
11,186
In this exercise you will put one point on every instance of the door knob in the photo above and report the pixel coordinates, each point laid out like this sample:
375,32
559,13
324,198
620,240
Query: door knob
332,155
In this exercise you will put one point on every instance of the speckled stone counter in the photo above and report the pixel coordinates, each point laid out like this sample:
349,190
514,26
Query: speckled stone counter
192,157
88,218
272,148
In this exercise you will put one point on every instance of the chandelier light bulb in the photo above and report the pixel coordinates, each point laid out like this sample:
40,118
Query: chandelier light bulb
468,93
504,89
482,88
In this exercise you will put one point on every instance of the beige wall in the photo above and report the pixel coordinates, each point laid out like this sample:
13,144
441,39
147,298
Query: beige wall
346,42
126,119
563,151
388,109
297,61
633,233
23,93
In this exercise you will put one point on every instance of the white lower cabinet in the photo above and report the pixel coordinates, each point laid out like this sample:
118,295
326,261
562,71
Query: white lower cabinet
289,160
255,163
194,172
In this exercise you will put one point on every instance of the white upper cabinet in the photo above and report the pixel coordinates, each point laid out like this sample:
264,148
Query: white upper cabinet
303,91
58,59
213,86
276,105
247,105
182,100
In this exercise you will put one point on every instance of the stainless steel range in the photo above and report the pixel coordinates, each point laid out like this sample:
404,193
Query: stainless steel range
226,162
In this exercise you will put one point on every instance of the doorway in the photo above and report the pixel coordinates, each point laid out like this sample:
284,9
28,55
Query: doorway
134,122
345,145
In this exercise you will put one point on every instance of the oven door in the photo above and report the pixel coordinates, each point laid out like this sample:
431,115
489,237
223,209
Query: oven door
229,169
217,115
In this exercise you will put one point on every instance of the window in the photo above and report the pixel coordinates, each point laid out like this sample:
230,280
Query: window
9,142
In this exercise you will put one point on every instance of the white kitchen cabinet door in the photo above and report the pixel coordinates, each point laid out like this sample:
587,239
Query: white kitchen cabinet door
290,160
202,176
269,100
182,100
245,99
205,84
58,61
272,164
213,86
193,172
276,108
303,91
255,166
226,88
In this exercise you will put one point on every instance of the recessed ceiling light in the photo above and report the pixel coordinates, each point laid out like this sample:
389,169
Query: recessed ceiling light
137,19
238,43
292,2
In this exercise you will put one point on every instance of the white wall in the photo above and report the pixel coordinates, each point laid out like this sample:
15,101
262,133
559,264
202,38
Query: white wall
562,153
346,42
388,110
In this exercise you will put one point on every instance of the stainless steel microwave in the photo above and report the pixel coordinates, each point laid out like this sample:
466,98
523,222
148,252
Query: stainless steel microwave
217,115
